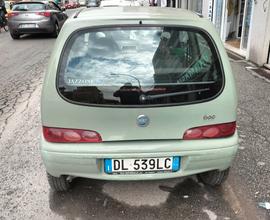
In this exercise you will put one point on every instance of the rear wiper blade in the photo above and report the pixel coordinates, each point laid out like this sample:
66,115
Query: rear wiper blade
150,97
186,83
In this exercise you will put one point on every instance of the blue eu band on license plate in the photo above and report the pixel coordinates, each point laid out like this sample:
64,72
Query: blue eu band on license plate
143,165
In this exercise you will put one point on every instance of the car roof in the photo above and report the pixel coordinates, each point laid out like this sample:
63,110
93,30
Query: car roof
137,12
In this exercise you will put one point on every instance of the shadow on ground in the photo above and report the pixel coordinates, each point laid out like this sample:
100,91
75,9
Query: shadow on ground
188,199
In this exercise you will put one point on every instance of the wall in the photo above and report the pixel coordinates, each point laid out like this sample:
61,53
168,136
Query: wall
183,4
205,9
259,32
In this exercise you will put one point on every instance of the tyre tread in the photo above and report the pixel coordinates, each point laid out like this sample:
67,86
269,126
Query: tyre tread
58,184
14,36
55,33
214,178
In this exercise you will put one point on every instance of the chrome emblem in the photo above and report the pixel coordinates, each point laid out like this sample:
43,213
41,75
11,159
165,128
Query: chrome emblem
143,121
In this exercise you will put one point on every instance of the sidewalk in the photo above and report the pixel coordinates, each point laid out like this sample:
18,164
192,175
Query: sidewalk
260,71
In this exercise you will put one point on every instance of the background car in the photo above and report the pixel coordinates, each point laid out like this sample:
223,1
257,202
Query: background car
77,4
82,2
70,5
92,3
121,3
62,6
31,17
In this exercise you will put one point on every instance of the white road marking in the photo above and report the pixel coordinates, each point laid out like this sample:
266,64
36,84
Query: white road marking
206,197
260,163
211,214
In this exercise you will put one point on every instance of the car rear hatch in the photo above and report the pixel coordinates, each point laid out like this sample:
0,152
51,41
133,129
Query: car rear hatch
29,11
138,83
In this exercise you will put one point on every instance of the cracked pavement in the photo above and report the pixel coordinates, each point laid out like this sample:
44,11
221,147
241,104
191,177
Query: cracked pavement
24,191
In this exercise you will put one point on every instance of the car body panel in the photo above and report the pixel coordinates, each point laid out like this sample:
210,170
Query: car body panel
28,16
86,160
117,126
43,26
161,118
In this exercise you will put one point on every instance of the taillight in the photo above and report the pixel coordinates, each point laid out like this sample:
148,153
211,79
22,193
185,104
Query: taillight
12,14
211,131
44,13
63,135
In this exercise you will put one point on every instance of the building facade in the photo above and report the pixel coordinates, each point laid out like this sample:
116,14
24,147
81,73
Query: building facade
243,25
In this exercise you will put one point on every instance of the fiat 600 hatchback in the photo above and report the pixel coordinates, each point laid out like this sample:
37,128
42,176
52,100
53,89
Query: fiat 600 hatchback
138,93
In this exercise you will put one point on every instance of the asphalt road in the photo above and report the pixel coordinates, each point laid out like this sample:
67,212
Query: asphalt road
25,193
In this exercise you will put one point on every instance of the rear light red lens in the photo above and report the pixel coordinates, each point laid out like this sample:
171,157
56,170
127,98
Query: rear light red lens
12,14
211,131
44,13
63,135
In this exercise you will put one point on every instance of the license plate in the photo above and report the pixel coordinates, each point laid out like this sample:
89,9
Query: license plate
28,26
142,165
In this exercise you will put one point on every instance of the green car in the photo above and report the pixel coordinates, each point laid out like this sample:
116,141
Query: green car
138,93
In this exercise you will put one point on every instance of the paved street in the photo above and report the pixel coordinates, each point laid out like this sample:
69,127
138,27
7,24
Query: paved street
25,193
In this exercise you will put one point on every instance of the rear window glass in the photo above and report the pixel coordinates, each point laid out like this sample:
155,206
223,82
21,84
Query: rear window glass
29,7
139,66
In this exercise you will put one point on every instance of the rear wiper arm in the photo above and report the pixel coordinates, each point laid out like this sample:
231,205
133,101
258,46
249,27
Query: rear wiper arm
150,97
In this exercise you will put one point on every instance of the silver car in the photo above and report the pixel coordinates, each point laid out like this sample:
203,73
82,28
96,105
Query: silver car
35,17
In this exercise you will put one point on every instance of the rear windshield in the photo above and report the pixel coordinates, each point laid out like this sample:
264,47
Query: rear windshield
139,66
28,7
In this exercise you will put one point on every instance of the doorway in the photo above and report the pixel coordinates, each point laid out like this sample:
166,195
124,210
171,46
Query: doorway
238,24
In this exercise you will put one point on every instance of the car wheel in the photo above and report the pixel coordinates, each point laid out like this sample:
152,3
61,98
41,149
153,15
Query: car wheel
213,178
56,30
58,184
14,36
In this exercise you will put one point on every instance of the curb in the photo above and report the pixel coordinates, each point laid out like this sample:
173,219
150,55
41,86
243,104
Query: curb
261,72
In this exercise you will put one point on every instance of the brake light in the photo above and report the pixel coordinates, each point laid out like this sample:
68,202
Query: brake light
211,131
44,13
63,135
12,14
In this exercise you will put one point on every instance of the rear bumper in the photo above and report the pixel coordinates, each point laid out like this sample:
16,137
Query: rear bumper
43,26
88,160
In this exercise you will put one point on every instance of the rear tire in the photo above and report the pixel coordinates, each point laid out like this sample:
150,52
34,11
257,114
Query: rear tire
56,31
58,184
15,36
214,178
